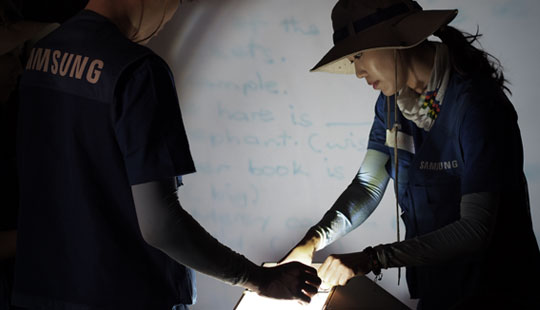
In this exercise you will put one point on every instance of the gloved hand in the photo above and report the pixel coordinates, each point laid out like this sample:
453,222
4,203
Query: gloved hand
288,281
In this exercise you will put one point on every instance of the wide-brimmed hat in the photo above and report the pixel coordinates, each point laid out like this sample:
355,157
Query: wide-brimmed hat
361,25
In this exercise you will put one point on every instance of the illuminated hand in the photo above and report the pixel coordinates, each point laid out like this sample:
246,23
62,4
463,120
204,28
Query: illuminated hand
303,251
288,281
300,253
337,269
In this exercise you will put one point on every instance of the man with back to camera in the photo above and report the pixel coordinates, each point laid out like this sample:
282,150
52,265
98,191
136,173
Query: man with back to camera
100,145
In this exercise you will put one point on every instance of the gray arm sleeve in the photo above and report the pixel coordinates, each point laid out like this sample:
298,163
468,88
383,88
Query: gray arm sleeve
165,225
357,202
467,236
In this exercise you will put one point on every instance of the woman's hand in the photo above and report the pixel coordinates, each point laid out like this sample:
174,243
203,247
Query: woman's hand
337,269
303,251
300,253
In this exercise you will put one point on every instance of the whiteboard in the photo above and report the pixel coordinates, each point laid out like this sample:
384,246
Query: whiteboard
275,145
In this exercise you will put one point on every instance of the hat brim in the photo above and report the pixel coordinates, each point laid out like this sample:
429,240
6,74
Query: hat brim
399,33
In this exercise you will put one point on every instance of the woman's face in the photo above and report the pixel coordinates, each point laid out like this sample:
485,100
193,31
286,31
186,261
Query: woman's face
378,68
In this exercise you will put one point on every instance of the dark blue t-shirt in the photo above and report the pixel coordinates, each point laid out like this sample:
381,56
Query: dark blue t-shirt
98,114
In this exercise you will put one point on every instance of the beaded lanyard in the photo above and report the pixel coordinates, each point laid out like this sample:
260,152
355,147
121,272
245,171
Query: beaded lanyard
431,103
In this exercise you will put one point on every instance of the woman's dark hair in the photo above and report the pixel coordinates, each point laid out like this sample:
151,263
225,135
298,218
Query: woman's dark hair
469,60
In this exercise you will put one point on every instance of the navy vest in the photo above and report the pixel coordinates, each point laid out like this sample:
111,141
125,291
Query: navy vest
430,189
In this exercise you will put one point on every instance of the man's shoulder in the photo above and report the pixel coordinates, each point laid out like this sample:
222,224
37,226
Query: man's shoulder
94,35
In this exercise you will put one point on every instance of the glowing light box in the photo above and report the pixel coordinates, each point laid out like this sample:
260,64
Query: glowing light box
359,293
251,300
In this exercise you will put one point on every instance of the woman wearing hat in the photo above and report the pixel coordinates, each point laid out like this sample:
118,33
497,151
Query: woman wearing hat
446,131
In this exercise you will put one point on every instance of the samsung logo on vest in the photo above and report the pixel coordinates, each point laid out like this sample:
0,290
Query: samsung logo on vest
438,165
65,64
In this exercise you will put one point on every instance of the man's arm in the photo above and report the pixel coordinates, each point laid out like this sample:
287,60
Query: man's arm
165,225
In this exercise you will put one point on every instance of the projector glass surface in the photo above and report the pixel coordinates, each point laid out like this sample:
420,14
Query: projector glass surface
252,300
